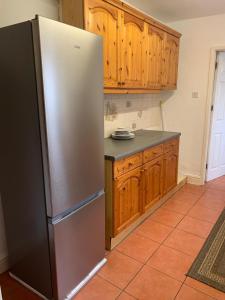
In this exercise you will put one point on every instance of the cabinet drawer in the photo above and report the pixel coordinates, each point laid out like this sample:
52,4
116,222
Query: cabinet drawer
153,153
124,165
172,145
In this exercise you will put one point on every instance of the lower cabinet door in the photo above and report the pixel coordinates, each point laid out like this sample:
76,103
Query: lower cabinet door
152,182
170,171
127,200
77,245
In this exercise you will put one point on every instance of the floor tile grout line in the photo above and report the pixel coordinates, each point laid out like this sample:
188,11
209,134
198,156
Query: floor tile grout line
141,262
180,251
154,268
123,289
179,290
155,221
199,219
144,264
198,290
202,237
107,280
160,244
211,208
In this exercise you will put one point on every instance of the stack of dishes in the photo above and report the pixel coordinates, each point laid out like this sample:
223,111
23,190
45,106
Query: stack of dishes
123,134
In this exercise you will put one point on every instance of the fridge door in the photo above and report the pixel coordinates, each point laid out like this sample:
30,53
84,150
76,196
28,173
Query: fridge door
77,246
71,113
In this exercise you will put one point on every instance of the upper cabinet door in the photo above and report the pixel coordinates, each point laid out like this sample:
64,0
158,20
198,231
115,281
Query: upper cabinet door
154,53
170,66
103,19
132,51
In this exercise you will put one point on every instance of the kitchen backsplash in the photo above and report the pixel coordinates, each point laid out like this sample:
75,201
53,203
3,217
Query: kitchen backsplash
132,111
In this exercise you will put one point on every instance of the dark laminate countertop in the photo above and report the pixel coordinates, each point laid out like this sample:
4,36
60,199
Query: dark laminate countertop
117,149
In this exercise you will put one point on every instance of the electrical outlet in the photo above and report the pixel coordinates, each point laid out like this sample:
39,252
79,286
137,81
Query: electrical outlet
128,104
195,95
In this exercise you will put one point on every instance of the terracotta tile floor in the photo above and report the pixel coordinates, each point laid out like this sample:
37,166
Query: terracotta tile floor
151,262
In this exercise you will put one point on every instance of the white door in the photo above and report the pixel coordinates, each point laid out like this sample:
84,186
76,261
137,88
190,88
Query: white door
216,157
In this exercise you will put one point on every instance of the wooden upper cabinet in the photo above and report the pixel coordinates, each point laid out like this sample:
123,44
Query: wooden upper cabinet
140,54
103,19
128,199
131,51
154,42
170,65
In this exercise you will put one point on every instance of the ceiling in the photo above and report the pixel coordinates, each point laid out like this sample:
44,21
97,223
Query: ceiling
175,10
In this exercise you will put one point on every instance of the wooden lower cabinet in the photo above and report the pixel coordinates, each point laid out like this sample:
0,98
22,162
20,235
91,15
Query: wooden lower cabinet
127,204
152,182
170,171
135,184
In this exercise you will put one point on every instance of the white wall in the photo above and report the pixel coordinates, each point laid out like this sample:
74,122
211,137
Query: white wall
11,12
143,111
15,11
181,111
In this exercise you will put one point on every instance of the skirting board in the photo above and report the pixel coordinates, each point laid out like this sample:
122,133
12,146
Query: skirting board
4,265
196,180
115,241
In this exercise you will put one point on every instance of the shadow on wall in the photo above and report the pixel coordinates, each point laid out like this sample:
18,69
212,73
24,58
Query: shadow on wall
166,95
120,104
134,111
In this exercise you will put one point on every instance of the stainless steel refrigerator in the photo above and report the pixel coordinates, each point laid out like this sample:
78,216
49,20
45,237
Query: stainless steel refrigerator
51,154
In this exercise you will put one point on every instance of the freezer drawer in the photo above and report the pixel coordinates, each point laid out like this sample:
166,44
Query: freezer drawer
77,246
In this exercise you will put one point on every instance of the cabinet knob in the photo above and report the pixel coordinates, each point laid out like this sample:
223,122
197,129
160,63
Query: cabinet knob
123,83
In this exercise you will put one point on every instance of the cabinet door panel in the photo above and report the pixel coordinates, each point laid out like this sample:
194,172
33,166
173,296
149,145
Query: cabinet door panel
127,202
132,51
153,182
154,57
170,65
103,19
170,171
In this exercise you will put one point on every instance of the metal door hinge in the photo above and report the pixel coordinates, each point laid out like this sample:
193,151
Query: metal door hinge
212,107
206,166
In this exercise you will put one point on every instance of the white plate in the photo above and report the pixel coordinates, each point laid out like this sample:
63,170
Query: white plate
123,137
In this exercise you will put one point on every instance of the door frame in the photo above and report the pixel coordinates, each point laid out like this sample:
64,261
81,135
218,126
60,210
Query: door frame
208,112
